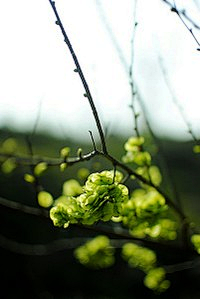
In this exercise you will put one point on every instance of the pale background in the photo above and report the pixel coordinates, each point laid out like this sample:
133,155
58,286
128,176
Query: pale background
36,70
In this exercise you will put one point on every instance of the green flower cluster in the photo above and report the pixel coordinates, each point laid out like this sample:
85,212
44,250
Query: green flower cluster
101,199
139,257
155,280
97,253
135,152
146,214
142,160
195,239
145,260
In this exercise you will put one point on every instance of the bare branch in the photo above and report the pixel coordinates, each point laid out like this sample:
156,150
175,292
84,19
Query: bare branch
23,208
183,12
187,265
113,38
183,16
41,249
120,235
131,76
175,100
81,75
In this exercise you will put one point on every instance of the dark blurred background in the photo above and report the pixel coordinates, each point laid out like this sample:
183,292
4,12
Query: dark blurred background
36,258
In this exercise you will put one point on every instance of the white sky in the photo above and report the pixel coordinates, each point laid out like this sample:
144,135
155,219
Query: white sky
36,68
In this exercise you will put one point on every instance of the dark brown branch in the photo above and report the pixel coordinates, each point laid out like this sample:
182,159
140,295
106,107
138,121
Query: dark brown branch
23,208
72,161
82,77
41,249
187,265
111,232
34,160
131,172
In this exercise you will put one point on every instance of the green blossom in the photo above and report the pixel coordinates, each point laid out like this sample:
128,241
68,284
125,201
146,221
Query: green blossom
97,253
72,188
45,199
100,198
146,214
139,257
195,239
155,280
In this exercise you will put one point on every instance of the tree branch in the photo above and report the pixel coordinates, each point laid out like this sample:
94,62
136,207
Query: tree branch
175,100
82,77
183,15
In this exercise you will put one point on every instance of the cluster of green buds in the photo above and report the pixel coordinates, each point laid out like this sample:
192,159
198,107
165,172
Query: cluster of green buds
96,253
139,257
195,239
146,214
9,146
155,280
100,198
135,153
145,260
141,160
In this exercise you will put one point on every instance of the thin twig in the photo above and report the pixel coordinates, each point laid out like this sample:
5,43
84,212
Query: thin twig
37,118
23,208
41,249
131,76
182,14
131,172
82,77
113,38
51,162
112,232
187,265
175,100
93,141
196,3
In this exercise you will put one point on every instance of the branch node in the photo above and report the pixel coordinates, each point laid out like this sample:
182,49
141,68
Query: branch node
173,9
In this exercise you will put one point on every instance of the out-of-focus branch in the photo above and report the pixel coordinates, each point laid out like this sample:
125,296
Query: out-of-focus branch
82,77
119,236
187,265
197,3
183,13
40,249
23,208
184,17
175,100
34,160
112,36
131,75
